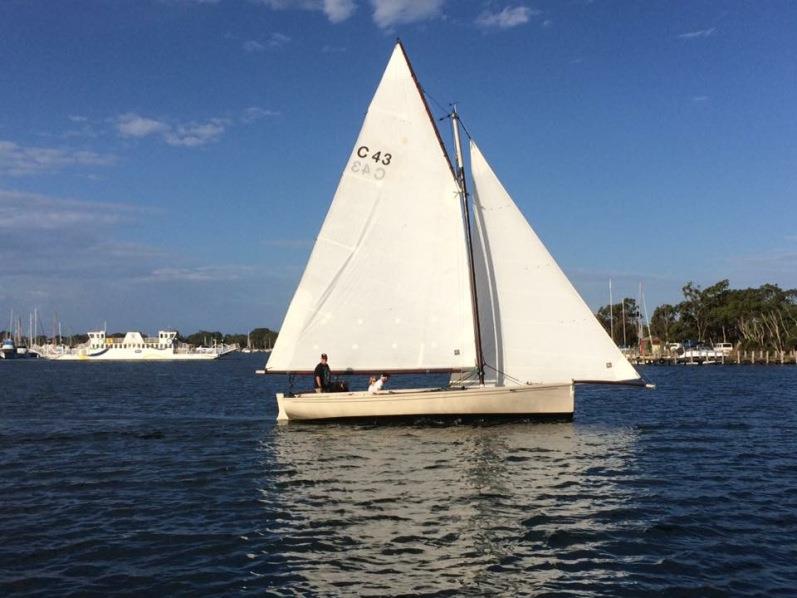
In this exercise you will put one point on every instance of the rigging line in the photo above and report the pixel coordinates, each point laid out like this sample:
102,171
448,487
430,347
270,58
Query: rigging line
439,105
447,112
471,374
464,128
504,374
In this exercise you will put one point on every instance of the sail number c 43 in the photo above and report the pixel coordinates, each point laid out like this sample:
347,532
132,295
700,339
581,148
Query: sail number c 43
362,165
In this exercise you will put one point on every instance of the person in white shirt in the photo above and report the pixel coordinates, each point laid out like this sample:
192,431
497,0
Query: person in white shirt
376,386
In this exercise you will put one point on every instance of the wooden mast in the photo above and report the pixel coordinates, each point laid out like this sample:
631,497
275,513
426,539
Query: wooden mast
472,270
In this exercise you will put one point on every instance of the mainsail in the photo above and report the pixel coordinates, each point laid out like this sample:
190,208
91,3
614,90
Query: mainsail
535,326
386,286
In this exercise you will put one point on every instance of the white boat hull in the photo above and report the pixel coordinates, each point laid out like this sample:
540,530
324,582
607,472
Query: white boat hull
135,347
531,400
133,355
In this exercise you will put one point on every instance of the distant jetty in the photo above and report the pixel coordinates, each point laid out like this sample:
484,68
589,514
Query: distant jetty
713,357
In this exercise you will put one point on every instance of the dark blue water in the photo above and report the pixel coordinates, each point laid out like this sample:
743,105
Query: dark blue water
174,479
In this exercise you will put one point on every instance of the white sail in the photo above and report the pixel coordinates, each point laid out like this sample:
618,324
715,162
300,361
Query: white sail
535,326
386,286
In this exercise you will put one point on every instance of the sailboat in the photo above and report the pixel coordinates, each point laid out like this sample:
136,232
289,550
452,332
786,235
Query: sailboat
401,281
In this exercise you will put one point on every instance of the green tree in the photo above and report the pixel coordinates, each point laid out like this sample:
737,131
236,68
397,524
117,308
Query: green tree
664,322
700,307
204,338
262,338
625,315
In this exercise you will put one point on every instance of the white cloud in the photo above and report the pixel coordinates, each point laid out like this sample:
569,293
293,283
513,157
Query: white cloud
83,127
277,40
292,4
253,46
25,212
18,160
191,134
388,13
199,274
335,10
254,113
338,11
184,134
133,125
507,18
196,134
698,34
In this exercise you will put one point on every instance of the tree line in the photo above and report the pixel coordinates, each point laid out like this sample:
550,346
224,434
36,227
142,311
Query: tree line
259,338
752,318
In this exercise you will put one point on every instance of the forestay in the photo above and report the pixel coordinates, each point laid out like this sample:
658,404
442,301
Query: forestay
535,326
386,286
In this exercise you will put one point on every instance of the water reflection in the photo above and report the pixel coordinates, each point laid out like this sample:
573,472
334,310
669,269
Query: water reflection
405,509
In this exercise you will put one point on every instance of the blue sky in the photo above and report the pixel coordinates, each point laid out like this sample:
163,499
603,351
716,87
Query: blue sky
168,163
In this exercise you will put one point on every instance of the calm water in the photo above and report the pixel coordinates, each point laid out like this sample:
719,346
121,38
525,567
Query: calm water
173,478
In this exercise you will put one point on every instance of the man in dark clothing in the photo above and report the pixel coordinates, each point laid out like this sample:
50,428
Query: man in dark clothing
322,375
